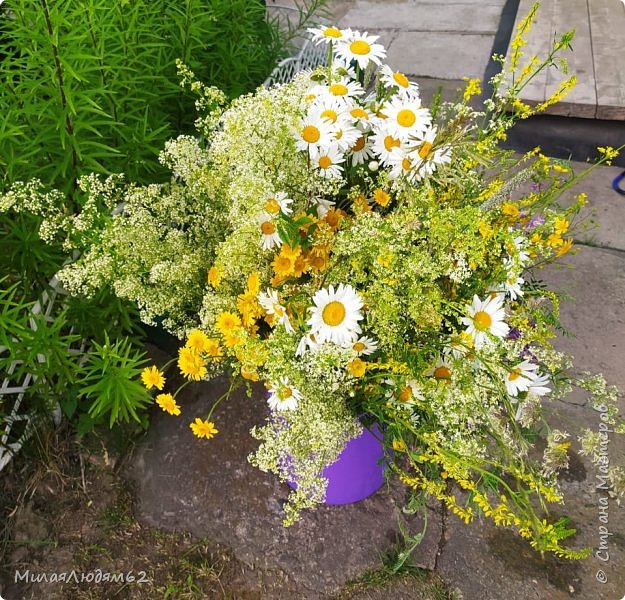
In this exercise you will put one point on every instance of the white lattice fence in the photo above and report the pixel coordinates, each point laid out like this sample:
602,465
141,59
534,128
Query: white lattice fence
17,423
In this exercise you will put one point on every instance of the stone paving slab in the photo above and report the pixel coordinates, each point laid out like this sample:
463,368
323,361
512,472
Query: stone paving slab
606,206
207,487
441,40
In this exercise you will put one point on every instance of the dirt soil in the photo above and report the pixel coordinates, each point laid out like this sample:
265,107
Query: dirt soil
68,514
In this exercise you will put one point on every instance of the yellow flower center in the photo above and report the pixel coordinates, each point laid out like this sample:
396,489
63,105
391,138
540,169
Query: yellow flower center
333,313
311,134
359,145
338,89
359,346
442,372
339,134
330,115
359,113
325,162
424,150
405,394
482,320
268,228
390,142
514,374
406,118
285,392
360,47
272,206
406,164
333,32
401,79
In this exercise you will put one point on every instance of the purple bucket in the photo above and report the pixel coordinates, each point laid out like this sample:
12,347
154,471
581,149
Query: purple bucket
358,472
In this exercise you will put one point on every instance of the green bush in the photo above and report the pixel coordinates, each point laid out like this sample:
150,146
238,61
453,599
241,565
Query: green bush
91,85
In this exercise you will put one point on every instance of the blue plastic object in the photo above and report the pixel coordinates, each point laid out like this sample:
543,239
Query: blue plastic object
617,181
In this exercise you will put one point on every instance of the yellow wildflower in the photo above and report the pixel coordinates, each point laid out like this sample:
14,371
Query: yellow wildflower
203,429
473,88
486,231
214,277
565,247
152,377
560,226
555,240
168,403
381,197
608,153
398,445
191,364
357,367
227,323
198,341
510,210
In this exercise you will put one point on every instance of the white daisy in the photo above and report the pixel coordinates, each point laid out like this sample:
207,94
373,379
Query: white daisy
307,343
360,47
359,116
270,301
326,35
441,370
335,316
269,232
328,161
401,165
539,385
424,156
406,117
520,378
345,135
364,346
520,245
513,286
485,317
344,89
278,203
384,144
361,150
313,132
395,79
283,396
323,206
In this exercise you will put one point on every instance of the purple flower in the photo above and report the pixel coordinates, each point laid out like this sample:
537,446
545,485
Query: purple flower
514,333
535,222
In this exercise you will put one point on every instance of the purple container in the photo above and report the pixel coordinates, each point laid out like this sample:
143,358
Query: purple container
358,472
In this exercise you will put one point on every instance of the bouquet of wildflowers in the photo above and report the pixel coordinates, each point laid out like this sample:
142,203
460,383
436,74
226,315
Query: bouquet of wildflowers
378,265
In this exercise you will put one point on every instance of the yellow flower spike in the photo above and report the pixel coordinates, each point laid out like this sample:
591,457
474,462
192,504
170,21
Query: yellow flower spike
473,88
203,429
168,403
253,284
555,240
152,377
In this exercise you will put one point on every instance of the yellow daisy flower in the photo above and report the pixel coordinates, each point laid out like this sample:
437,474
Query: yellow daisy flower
214,277
203,429
152,377
228,323
198,341
168,403
191,364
